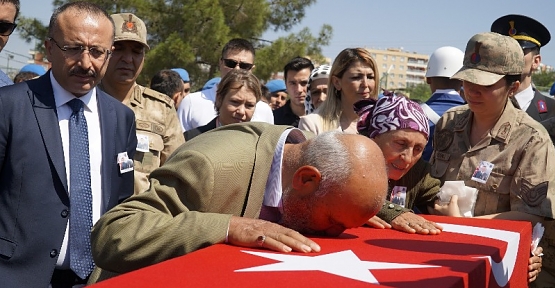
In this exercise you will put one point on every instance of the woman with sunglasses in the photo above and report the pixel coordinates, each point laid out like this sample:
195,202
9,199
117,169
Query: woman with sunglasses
236,98
354,76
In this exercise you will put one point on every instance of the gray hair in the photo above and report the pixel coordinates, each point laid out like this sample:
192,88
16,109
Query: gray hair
329,155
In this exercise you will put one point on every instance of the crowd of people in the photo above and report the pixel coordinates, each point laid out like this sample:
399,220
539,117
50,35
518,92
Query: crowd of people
126,176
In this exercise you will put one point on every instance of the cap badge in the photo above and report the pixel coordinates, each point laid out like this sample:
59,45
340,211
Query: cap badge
129,26
512,30
475,57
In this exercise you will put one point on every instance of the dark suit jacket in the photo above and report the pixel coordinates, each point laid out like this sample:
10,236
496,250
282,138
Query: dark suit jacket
547,119
33,184
199,130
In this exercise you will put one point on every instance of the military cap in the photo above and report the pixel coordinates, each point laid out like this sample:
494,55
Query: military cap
528,32
129,28
489,57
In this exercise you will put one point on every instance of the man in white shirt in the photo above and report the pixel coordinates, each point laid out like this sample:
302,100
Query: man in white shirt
197,109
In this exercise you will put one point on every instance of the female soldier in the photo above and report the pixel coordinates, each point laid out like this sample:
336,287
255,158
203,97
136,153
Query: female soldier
491,131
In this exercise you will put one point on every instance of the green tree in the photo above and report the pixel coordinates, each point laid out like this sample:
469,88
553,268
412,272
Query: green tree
543,80
419,92
191,33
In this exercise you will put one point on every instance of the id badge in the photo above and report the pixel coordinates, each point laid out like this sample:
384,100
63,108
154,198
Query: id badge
482,172
142,143
399,195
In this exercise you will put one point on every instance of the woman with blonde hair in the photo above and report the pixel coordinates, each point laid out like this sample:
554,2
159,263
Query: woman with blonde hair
354,76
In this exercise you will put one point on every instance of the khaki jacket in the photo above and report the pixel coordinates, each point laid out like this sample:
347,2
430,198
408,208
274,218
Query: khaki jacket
156,119
191,199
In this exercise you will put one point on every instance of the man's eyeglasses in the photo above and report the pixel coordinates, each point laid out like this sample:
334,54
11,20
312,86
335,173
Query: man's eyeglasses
230,63
97,53
6,28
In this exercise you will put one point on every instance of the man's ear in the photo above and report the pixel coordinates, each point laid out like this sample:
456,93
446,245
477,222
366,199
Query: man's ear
536,60
306,180
514,88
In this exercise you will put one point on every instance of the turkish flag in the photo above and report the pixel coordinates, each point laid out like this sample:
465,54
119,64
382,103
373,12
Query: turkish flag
468,253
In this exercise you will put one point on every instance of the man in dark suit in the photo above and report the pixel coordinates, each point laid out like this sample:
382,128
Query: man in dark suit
531,35
255,189
59,143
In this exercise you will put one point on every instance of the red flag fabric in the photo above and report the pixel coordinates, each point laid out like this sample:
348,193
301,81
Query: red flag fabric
468,253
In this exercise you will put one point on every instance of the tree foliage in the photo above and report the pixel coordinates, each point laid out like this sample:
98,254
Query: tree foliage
191,33
543,80
419,92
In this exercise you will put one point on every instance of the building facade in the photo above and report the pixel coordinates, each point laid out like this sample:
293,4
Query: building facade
400,69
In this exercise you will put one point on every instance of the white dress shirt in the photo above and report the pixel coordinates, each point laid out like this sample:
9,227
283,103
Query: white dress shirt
274,190
61,96
525,97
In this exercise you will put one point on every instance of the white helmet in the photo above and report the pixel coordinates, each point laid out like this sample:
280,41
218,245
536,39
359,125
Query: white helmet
445,62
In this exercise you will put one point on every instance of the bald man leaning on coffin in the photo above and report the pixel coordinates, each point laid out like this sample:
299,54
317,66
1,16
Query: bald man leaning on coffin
251,185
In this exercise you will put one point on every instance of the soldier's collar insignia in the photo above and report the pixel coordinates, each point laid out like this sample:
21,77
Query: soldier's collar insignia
129,26
475,57
542,106
512,30
504,130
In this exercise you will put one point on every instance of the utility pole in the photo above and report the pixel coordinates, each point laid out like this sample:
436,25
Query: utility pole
10,57
386,74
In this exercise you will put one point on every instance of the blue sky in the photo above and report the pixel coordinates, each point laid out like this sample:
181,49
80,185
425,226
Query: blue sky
416,26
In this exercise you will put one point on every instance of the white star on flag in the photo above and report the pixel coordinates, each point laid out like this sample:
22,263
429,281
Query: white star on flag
344,263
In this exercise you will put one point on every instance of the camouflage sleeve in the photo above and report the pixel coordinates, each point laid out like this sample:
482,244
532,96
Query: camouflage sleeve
174,135
533,189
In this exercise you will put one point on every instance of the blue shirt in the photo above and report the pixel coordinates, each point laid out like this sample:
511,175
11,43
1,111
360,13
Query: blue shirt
441,101
4,79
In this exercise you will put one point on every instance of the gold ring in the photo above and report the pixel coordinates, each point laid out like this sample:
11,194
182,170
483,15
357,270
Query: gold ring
260,240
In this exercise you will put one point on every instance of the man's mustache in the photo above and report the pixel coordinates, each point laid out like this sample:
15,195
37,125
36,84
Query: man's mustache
78,71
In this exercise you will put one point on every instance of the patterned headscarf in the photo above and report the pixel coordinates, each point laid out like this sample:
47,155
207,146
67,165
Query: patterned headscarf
389,113
321,72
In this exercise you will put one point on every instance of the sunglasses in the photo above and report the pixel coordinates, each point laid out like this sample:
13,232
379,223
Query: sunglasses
229,63
6,28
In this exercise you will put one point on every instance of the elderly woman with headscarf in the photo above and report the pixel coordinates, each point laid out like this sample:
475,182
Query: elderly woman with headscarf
317,88
400,128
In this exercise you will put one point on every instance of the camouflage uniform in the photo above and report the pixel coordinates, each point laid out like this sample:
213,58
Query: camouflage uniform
524,172
156,118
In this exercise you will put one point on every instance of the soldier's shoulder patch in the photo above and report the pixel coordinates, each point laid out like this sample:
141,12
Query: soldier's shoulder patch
158,96
443,139
533,195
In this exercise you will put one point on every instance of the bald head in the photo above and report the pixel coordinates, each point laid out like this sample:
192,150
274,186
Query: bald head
340,182
367,178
